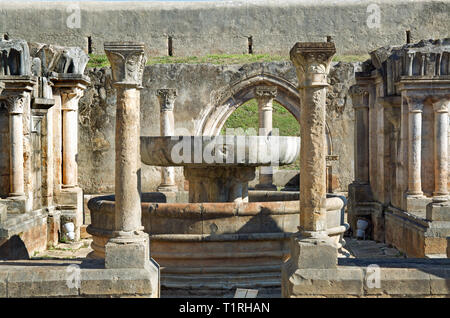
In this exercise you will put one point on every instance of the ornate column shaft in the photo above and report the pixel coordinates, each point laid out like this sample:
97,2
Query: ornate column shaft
312,62
360,98
264,96
69,107
441,147
414,145
166,99
16,104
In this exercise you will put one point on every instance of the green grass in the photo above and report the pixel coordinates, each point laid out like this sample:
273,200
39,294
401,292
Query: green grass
99,60
246,117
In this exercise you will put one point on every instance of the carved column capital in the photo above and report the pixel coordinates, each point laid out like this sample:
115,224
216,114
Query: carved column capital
415,103
15,104
312,61
70,98
441,106
266,91
127,63
166,97
360,96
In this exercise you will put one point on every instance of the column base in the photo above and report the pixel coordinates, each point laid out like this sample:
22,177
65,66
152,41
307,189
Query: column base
438,211
308,251
416,202
131,251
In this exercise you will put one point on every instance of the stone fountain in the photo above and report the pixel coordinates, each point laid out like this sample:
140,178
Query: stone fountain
219,239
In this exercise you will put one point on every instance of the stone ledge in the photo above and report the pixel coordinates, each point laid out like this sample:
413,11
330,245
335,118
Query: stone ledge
397,279
49,278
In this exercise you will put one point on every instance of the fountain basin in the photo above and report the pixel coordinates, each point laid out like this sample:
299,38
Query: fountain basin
210,249
219,168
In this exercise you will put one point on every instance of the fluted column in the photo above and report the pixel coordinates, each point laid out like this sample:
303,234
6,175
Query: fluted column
415,105
16,104
360,98
441,148
69,107
312,62
166,99
264,96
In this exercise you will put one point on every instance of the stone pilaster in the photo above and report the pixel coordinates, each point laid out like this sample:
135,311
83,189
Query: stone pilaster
69,108
130,246
360,98
441,148
264,96
69,88
415,106
16,104
166,99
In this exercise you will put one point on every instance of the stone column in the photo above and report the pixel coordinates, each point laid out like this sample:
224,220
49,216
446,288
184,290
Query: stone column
16,104
166,99
441,148
129,247
264,96
360,98
312,62
414,145
69,107
311,248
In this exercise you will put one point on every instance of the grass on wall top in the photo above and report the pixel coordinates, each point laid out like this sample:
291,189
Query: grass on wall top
100,60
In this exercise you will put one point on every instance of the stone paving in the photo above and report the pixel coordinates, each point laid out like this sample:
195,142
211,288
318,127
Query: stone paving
70,250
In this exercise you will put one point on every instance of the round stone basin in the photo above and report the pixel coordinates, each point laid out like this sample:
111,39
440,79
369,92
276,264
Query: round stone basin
224,151
219,168
208,249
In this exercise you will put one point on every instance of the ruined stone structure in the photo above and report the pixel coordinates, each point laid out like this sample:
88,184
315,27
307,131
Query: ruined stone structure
401,103
39,125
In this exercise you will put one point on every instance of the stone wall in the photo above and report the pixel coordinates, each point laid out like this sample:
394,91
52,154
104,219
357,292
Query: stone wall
206,95
200,28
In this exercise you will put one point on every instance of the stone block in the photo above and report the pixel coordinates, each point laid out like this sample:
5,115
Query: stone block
440,281
400,282
136,282
438,211
336,282
127,255
3,213
313,253
40,282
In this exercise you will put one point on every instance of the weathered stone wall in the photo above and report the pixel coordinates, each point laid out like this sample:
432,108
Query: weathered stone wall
203,91
199,28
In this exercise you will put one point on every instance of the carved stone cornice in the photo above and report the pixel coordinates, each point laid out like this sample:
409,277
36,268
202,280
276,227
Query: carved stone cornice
312,61
166,97
70,98
2,86
127,61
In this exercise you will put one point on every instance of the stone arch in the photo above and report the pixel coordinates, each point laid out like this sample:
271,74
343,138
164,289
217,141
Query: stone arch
231,98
